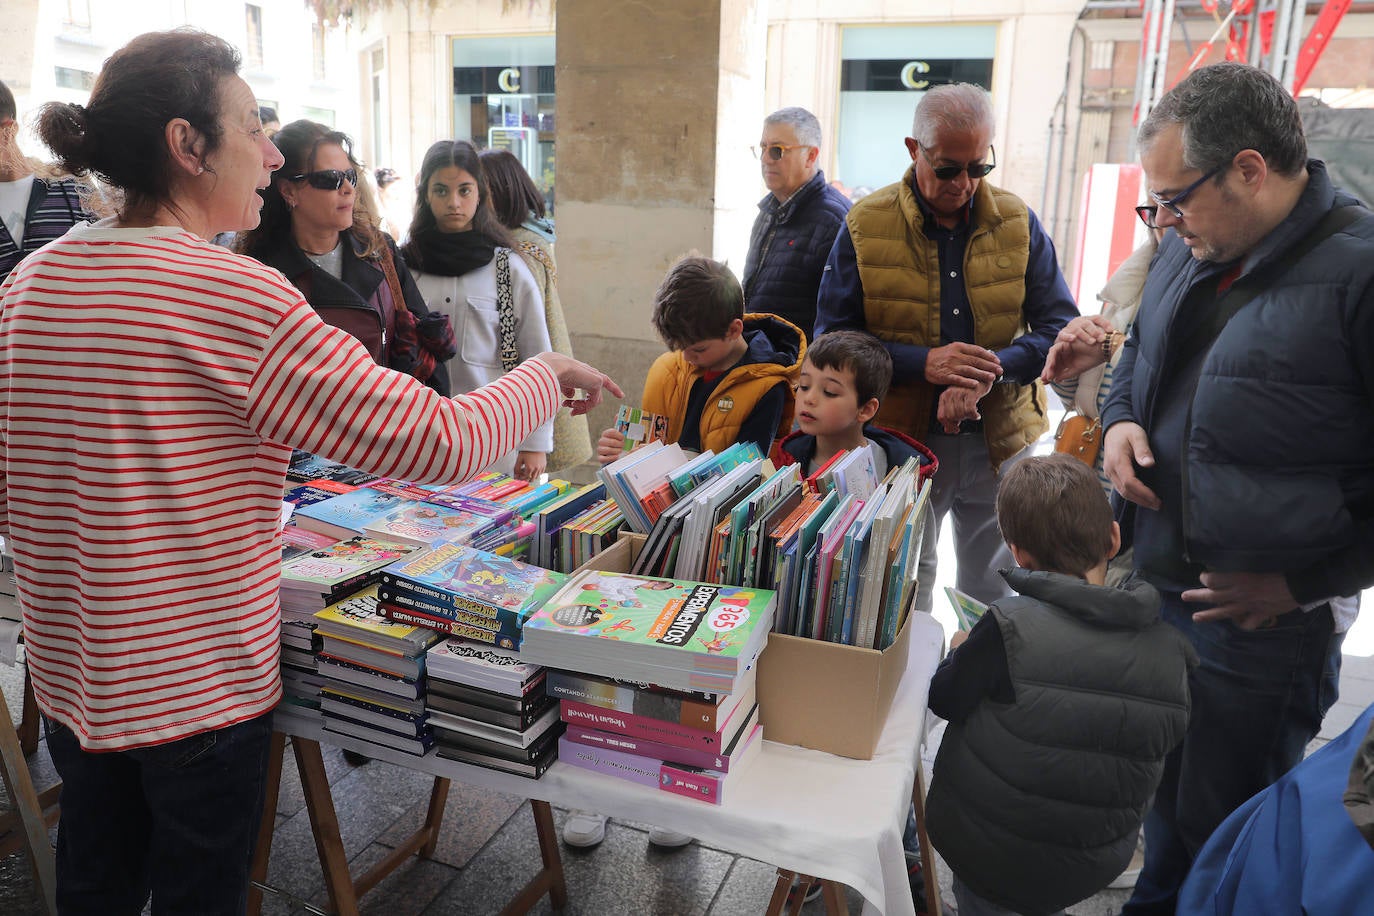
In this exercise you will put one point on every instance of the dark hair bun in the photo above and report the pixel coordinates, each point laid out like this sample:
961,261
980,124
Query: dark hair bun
62,127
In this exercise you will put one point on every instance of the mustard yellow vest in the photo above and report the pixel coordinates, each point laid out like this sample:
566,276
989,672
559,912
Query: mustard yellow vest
899,268
670,381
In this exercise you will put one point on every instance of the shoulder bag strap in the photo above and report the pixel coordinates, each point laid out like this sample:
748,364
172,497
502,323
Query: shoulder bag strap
398,299
505,310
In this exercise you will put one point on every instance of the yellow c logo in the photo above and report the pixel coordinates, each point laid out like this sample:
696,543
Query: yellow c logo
909,72
509,80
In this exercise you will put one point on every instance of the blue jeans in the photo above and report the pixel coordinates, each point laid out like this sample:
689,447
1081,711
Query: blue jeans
176,820
1258,698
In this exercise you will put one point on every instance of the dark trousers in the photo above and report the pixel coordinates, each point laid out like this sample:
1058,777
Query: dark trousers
1258,698
176,820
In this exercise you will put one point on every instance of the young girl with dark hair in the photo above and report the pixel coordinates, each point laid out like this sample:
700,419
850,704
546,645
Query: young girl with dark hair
464,265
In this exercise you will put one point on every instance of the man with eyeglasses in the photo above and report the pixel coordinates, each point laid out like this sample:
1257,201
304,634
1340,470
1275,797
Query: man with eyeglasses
1240,427
960,282
797,221
33,211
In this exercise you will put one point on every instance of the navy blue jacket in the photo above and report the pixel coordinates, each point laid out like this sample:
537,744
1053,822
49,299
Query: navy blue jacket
1266,467
798,448
788,248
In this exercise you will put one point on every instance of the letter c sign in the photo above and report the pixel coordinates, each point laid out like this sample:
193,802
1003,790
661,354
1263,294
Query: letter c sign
909,72
509,79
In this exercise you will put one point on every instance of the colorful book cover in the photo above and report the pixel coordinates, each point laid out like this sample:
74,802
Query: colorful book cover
703,621
305,467
341,563
349,512
461,577
358,617
967,609
639,426
425,523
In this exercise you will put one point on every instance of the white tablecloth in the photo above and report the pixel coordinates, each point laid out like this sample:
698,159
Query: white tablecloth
797,809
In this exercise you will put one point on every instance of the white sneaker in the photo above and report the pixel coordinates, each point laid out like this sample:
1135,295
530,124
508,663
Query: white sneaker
661,836
584,829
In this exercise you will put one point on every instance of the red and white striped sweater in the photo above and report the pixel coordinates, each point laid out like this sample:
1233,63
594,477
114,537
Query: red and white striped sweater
151,388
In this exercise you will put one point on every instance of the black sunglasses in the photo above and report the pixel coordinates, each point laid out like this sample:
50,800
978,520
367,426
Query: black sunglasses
328,179
975,170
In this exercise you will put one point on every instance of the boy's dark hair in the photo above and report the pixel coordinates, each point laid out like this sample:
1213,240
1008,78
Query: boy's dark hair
1053,508
267,114
696,301
860,353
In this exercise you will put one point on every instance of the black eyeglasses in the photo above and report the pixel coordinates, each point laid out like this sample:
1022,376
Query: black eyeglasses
328,179
1147,212
975,170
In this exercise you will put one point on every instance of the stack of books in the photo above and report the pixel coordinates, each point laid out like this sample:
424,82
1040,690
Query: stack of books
488,707
686,743
373,674
309,583
462,591
684,635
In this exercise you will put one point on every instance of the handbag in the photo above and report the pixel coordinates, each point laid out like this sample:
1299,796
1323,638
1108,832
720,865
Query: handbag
505,310
1079,436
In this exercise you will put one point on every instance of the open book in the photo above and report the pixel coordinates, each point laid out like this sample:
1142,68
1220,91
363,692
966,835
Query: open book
966,608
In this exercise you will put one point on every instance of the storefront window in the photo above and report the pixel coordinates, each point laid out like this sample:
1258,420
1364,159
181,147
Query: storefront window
884,71
503,99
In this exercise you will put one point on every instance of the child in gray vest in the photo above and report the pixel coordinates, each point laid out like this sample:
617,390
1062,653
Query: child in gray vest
1062,704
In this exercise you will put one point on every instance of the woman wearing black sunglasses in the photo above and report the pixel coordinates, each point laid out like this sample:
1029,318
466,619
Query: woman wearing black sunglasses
315,231
466,266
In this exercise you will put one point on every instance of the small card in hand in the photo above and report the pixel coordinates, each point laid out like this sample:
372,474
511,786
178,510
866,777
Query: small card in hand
640,427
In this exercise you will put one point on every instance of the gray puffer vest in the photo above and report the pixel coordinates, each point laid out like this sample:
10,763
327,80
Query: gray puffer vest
1036,805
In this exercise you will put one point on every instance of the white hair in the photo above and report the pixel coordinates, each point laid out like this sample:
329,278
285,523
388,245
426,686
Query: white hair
803,123
955,106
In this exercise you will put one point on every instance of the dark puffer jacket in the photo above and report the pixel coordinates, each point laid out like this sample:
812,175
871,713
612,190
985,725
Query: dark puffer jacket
787,251
358,300
1036,804
1275,464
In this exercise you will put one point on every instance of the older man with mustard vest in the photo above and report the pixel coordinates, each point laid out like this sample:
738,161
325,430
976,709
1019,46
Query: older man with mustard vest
960,282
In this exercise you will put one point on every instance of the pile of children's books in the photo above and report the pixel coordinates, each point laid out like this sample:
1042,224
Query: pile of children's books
489,708
400,567
613,634
840,547
463,591
373,674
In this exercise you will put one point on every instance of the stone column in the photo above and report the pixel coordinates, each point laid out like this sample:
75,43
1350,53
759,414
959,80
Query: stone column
658,103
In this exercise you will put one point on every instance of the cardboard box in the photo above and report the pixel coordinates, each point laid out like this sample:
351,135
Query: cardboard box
828,696
821,695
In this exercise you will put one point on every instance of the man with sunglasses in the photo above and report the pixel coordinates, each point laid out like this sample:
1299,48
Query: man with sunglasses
960,282
797,221
33,211
1240,427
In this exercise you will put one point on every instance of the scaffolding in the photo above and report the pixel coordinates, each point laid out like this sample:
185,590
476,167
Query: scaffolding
1265,33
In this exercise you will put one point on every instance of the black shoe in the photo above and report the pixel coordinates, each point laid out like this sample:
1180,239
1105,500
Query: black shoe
356,759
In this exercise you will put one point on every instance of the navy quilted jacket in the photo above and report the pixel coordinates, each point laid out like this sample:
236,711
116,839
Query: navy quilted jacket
788,248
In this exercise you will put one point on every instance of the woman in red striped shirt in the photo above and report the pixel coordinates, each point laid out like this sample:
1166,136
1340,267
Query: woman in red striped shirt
152,386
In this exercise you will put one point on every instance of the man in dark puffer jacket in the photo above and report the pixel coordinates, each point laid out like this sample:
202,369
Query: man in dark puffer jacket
797,221
1244,445
1062,705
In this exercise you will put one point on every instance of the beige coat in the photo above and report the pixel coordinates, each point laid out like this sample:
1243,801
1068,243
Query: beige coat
572,441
